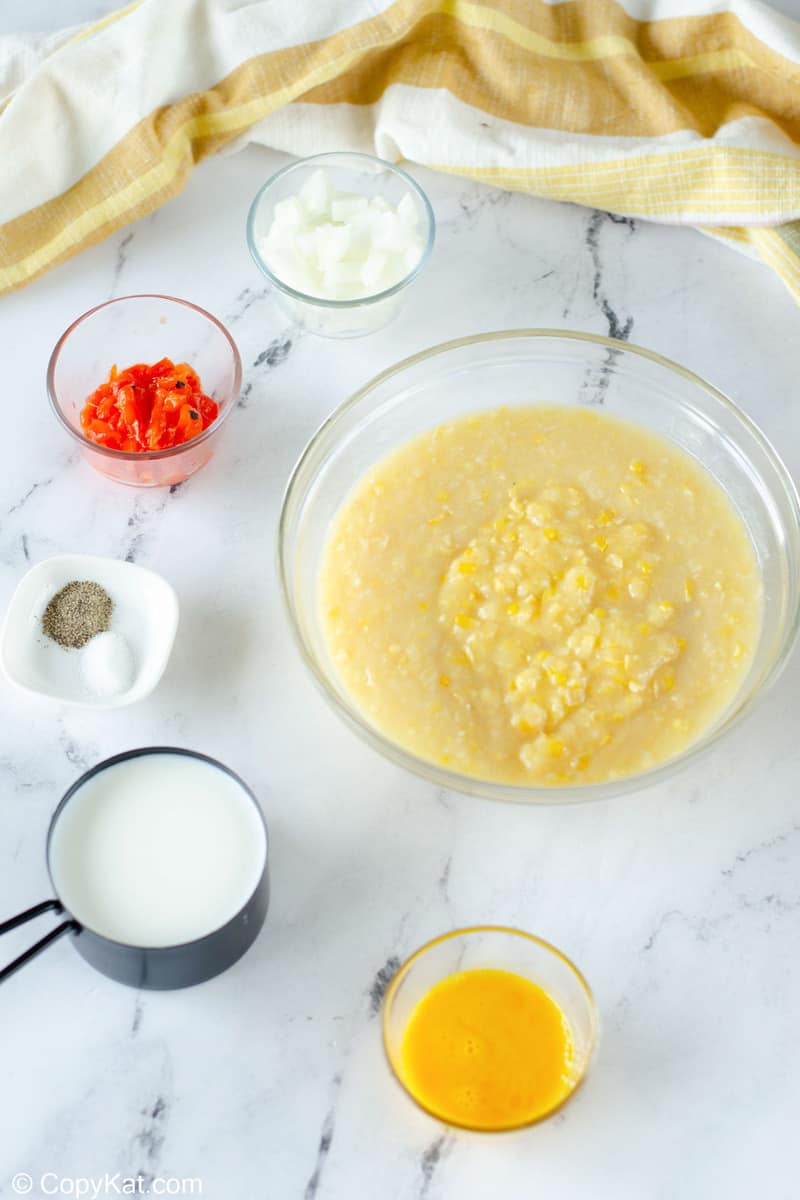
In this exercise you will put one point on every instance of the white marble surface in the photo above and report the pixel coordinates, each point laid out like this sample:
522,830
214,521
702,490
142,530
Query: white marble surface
681,903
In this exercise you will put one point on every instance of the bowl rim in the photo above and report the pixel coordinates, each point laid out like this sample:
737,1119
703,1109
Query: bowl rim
573,793
143,455
321,301
464,932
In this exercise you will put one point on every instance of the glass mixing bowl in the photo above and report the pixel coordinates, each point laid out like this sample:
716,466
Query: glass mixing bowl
524,367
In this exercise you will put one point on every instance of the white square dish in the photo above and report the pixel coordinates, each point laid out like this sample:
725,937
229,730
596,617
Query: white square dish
145,613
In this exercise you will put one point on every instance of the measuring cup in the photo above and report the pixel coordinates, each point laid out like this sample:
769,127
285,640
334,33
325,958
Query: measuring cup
228,875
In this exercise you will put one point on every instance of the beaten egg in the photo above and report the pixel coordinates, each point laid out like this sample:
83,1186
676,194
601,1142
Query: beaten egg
488,1049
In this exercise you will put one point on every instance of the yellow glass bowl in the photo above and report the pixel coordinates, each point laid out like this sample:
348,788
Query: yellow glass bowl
492,947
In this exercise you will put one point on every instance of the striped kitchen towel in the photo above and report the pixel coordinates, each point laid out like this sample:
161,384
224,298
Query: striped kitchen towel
679,111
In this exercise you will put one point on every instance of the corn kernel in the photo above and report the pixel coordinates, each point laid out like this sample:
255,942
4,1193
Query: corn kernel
603,664
738,650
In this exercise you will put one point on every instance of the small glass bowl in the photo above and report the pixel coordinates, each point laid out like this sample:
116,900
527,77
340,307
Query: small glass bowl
501,948
135,329
369,176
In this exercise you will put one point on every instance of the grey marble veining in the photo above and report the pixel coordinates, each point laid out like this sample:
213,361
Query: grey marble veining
681,903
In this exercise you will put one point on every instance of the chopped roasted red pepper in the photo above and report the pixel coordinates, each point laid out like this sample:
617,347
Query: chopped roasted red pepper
148,408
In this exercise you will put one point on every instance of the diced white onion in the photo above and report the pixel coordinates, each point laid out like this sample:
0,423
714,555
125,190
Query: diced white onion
341,245
315,194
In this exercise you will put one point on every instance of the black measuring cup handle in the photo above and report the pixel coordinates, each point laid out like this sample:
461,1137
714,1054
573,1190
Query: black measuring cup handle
69,926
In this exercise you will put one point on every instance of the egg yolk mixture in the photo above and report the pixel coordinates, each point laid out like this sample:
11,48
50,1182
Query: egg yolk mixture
540,596
487,1049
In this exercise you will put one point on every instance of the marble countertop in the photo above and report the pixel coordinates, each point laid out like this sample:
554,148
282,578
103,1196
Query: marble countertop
681,903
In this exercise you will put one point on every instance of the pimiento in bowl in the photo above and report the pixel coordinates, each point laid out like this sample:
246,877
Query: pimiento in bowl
145,329
148,408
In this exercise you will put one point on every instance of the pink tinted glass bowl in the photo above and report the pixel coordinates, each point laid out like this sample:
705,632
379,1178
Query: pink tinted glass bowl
135,329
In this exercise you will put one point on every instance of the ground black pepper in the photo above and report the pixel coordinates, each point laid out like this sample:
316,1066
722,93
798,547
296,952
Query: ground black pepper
75,614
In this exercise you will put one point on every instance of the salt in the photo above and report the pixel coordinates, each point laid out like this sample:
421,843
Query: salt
107,665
